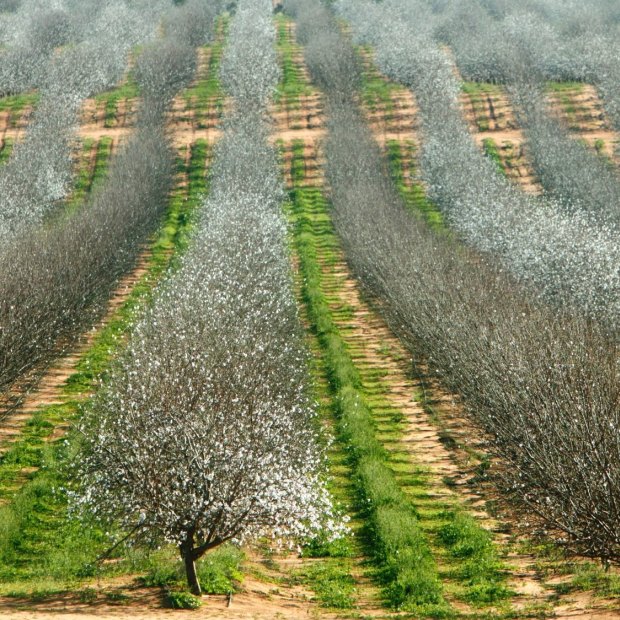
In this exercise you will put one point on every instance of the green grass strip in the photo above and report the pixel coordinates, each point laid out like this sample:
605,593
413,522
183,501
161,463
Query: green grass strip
88,179
408,569
491,150
6,148
413,192
127,91
16,104
376,91
293,83
207,91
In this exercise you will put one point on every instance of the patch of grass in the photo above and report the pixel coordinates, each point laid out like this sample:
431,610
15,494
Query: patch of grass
16,104
399,546
376,91
179,599
491,150
411,189
127,91
219,571
293,84
563,87
321,547
6,148
206,93
589,576
480,571
333,584
87,180
599,146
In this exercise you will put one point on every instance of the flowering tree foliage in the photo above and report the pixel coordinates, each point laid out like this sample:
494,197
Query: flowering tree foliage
205,433
571,259
39,173
55,280
544,384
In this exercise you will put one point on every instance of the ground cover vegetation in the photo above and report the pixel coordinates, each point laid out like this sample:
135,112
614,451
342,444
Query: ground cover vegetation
543,384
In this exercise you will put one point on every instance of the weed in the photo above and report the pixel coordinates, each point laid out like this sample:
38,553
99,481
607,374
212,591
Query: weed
333,584
181,600
219,572
491,150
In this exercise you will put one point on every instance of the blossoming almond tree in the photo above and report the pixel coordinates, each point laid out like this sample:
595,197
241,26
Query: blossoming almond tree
205,432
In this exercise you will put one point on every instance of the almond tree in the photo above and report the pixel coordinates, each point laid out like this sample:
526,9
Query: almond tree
205,432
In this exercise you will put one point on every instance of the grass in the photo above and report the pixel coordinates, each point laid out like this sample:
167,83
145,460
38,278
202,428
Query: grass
16,104
42,548
6,148
88,179
480,88
125,92
563,87
479,93
408,571
219,572
376,91
206,93
293,83
411,190
332,583
481,571
491,150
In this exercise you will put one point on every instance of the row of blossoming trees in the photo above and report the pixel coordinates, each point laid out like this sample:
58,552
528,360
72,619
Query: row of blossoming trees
205,431
566,254
542,382
56,277
67,53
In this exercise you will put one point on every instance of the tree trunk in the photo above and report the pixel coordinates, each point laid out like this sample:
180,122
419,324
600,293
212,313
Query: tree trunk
187,552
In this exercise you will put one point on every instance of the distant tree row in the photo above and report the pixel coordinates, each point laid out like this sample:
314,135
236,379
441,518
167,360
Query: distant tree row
544,384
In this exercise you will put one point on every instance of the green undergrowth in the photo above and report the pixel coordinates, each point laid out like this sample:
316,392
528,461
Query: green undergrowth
111,99
16,104
564,92
206,93
6,148
479,89
479,93
408,570
376,91
563,87
411,189
293,83
491,150
42,548
219,572
88,178
331,581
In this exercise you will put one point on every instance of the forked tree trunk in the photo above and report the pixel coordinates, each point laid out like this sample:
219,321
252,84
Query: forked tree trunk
187,552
